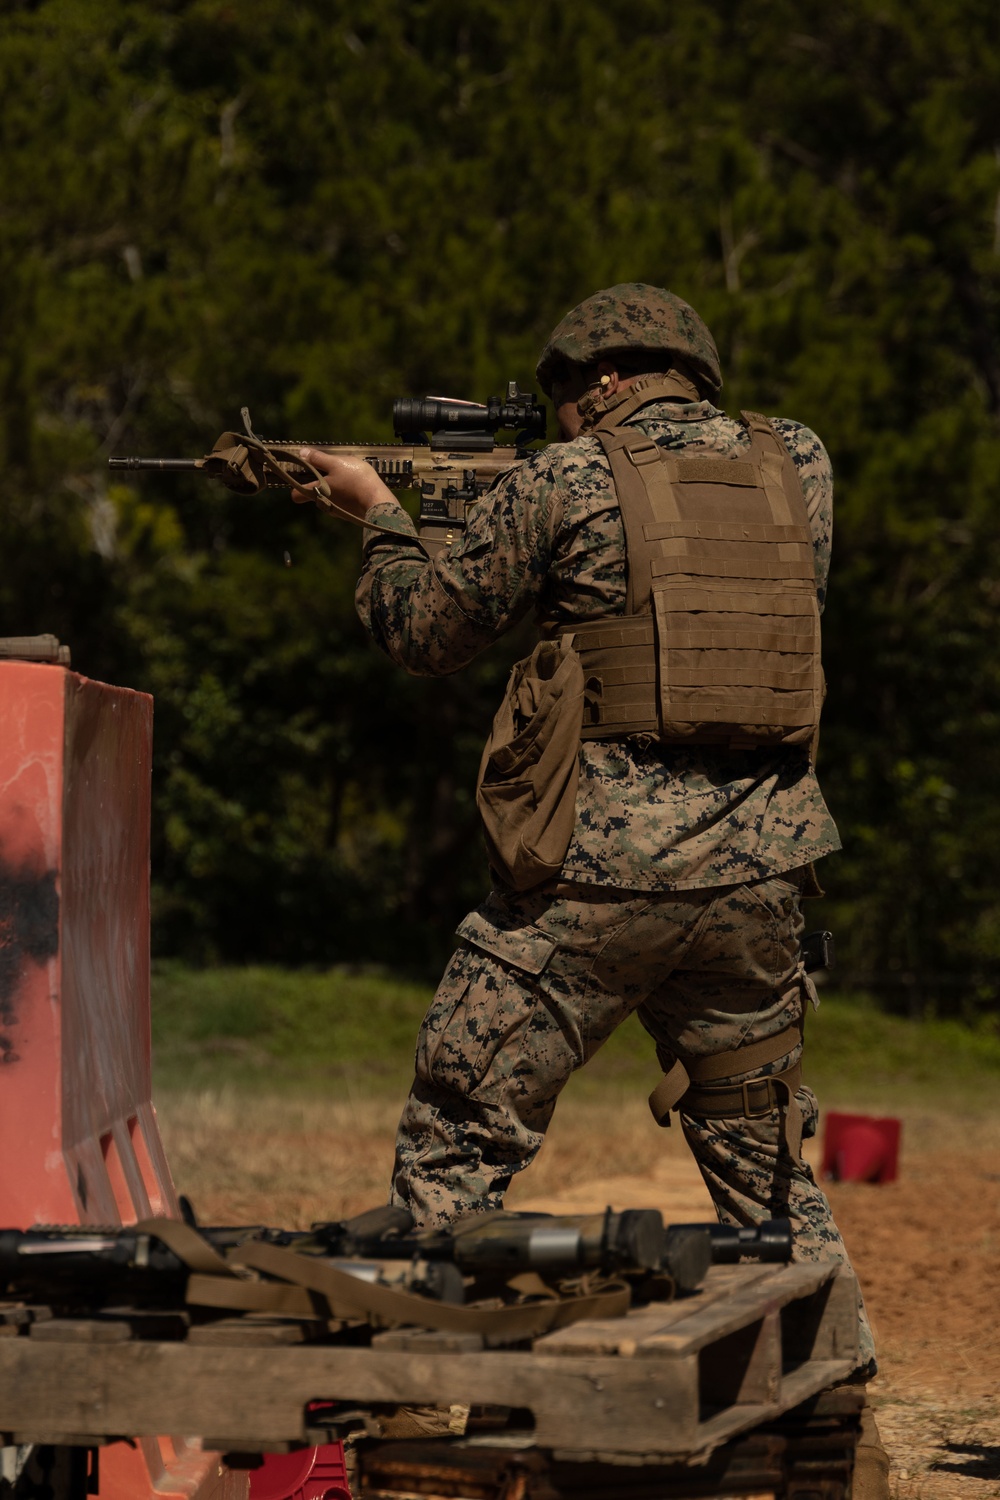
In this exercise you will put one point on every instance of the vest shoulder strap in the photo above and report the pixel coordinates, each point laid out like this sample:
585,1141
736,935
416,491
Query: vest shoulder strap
781,477
631,455
612,411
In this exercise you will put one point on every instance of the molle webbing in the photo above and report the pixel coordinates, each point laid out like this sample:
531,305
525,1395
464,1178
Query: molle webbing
720,638
619,670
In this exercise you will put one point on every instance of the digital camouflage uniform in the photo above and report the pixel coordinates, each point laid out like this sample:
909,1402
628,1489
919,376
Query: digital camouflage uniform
680,894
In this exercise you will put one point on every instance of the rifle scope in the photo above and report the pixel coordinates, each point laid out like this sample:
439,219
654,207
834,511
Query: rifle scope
768,1241
518,411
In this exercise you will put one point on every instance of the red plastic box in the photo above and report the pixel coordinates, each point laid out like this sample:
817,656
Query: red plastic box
861,1148
310,1474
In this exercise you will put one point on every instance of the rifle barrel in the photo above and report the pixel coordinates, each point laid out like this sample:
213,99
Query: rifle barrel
173,465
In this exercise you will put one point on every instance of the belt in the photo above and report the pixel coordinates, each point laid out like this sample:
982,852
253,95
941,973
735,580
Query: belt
705,1087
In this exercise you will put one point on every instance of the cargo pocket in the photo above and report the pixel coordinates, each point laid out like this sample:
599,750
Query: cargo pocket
525,948
463,1048
773,948
492,987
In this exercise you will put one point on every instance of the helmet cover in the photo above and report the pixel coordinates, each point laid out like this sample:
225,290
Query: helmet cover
632,318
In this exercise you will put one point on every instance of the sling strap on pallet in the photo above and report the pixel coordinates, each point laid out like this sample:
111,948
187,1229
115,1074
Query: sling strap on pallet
215,1281
385,1307
310,1286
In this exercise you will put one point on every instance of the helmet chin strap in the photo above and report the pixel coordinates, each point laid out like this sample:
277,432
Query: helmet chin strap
595,408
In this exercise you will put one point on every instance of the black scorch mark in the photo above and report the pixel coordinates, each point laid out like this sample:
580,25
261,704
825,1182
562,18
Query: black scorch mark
29,931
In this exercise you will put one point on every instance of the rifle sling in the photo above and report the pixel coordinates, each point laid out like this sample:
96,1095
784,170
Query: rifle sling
279,1298
385,1307
188,1245
216,1281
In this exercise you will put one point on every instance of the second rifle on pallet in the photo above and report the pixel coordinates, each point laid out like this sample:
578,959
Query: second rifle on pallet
150,1264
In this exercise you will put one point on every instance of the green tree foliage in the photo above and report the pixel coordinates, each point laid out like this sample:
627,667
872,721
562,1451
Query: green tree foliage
312,207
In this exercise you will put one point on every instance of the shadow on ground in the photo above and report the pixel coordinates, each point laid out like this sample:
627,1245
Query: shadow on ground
974,1460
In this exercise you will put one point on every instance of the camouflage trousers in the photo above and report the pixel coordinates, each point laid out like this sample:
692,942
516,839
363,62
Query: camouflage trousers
542,979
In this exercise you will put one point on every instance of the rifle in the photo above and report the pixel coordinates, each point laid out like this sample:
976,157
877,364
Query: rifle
446,451
633,1242
94,1267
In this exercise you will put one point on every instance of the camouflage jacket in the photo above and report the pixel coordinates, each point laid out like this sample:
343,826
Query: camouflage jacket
548,537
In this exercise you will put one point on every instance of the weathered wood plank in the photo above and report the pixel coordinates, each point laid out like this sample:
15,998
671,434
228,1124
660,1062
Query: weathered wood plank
742,1273
80,1331
824,1326
428,1341
623,1336
141,1387
744,1367
807,1381
596,1336
41,1438
726,1350
15,1314
241,1333
737,1310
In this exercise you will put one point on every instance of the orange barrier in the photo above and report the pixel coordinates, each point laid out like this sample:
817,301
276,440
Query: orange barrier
75,762
78,1137
165,1469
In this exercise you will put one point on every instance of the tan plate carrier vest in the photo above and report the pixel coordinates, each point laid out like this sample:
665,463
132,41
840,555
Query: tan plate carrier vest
719,644
720,639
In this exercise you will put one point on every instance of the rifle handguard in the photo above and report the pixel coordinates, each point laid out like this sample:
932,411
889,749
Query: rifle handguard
243,462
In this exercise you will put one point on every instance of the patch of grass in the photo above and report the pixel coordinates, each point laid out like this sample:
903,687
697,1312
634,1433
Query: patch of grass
858,1052
283,1029
292,1030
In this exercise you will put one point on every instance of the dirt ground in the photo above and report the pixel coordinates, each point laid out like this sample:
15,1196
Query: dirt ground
927,1247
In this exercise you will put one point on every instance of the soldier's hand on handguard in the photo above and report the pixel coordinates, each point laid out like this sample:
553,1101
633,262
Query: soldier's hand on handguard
354,485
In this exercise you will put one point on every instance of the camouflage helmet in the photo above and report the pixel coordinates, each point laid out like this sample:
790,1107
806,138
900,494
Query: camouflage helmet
632,318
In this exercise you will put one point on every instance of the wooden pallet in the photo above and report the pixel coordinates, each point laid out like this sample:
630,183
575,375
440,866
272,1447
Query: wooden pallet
806,1454
669,1380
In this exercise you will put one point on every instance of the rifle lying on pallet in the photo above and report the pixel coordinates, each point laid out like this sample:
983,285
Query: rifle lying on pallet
446,451
164,1263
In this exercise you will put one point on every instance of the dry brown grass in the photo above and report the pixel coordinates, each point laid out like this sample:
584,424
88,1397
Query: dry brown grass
243,1159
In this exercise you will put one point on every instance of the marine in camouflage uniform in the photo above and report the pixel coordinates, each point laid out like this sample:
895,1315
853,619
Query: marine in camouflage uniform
679,898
